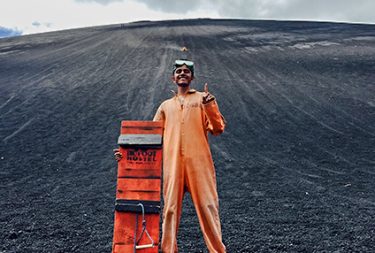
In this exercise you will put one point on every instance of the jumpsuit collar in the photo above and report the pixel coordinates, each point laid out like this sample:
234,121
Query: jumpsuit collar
189,92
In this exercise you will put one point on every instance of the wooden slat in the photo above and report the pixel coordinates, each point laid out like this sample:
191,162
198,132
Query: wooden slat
140,139
134,188
141,127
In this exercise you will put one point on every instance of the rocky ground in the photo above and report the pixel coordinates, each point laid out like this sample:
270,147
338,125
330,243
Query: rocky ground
295,167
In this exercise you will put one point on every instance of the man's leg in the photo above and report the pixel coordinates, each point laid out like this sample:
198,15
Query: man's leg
173,192
201,182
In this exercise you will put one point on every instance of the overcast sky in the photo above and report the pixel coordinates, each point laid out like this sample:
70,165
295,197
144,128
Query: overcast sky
34,16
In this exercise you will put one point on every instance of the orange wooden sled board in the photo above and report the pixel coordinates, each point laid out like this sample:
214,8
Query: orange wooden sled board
138,191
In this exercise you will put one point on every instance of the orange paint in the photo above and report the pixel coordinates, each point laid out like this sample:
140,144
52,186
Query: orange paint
138,180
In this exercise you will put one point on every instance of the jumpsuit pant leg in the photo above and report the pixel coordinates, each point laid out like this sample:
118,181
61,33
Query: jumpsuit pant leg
201,183
173,192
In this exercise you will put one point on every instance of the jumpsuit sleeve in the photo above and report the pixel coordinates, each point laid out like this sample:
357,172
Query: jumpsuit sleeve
216,121
159,115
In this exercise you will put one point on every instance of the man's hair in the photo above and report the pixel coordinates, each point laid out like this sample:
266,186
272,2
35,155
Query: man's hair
180,62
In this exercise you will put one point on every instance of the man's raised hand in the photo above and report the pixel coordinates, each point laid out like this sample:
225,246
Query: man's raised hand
207,97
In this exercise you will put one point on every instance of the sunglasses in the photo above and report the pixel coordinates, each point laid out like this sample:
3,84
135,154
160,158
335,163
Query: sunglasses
184,62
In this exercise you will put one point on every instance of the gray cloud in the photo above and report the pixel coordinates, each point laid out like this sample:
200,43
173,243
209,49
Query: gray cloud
36,23
340,10
344,10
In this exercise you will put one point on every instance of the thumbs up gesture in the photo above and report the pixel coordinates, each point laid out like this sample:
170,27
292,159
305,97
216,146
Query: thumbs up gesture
207,97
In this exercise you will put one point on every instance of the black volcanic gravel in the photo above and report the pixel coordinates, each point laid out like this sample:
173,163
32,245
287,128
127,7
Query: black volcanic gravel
295,167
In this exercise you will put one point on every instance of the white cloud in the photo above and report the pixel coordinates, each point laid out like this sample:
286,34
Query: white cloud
24,15
104,2
63,14
172,6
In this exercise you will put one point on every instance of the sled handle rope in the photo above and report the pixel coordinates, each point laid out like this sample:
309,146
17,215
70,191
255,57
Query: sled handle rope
144,230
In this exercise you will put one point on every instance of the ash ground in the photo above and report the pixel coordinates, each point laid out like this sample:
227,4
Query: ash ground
295,167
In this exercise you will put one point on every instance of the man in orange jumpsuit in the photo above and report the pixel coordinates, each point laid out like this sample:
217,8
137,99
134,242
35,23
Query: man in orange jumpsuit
188,165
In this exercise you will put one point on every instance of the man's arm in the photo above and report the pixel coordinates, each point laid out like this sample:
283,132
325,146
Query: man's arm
159,115
216,121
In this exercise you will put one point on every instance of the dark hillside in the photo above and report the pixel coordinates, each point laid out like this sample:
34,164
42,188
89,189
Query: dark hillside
295,167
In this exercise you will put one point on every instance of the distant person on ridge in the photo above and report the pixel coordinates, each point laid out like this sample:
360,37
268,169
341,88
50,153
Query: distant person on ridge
188,165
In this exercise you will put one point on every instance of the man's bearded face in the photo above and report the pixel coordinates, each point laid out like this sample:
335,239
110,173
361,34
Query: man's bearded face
182,76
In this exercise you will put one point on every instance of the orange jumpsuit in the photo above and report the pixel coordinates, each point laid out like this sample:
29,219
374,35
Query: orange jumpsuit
188,166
